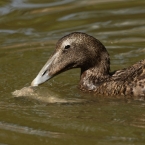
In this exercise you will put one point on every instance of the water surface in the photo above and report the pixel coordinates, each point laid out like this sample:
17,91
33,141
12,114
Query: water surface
60,113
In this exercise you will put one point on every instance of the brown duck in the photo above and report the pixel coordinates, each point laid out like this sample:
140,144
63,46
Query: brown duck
79,50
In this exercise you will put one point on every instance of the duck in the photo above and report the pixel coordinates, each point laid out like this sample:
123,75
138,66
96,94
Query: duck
80,50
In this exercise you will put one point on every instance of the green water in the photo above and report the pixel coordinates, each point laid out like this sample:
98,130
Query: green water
29,30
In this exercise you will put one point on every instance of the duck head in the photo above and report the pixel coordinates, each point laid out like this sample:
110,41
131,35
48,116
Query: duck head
76,50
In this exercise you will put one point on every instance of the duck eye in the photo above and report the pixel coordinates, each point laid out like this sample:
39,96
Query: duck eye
67,46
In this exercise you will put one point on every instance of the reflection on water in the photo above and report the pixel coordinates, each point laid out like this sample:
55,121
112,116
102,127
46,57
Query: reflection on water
57,112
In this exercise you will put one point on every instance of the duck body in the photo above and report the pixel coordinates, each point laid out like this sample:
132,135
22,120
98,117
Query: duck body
79,50
126,82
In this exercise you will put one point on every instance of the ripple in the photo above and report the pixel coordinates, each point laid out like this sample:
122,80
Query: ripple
21,4
30,131
139,121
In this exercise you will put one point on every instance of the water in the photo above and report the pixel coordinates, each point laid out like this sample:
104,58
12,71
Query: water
60,113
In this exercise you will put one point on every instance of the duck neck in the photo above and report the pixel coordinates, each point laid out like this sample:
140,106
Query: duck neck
93,77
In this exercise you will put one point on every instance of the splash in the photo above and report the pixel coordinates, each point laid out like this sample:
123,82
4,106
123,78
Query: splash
26,91
49,97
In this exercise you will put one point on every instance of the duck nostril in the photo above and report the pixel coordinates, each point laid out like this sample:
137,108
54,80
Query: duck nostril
44,73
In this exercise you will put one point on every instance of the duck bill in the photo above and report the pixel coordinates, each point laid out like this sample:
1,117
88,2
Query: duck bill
44,73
